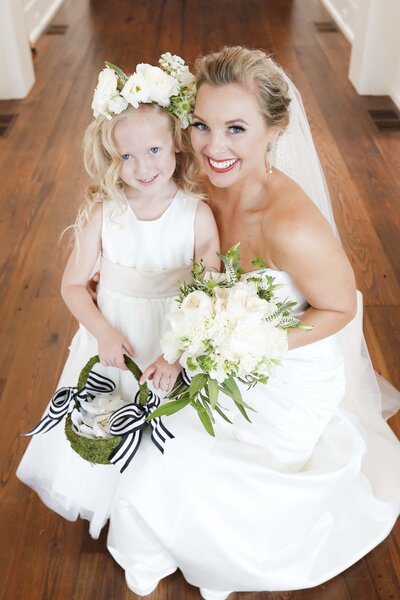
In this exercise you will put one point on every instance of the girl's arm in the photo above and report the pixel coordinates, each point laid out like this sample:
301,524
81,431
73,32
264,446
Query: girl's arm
112,344
206,238
304,246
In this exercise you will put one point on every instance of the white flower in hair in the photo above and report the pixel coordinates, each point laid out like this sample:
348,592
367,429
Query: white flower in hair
105,93
117,105
136,90
172,86
175,66
160,85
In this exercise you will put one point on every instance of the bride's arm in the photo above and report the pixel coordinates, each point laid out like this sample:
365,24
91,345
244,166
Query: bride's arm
304,246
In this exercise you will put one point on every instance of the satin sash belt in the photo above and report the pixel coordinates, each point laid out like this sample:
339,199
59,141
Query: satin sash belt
142,284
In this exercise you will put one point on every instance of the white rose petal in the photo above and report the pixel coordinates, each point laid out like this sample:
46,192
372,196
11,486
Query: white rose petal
197,305
136,90
117,104
92,420
159,84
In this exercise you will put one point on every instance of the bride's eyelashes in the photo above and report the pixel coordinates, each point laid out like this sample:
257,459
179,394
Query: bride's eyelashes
236,129
200,126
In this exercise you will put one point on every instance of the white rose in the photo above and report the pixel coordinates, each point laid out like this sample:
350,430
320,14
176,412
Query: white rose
105,90
257,308
238,298
136,90
197,305
221,296
159,84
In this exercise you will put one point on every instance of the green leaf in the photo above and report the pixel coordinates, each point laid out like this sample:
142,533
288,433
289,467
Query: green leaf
197,383
169,408
118,71
204,418
243,411
213,391
205,402
232,386
259,262
223,415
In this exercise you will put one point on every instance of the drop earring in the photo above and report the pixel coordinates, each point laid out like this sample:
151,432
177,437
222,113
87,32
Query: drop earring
271,155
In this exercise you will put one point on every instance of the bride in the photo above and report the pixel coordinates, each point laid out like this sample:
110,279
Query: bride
313,483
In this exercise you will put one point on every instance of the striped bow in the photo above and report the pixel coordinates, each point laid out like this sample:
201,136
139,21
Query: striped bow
63,398
129,422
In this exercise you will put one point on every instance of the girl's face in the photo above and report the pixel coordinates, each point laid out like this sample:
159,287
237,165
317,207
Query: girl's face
229,134
145,143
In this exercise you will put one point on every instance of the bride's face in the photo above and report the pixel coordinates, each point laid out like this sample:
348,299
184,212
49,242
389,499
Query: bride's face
229,134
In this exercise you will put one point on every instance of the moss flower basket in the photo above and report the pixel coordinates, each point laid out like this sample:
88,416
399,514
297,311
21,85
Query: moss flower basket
98,450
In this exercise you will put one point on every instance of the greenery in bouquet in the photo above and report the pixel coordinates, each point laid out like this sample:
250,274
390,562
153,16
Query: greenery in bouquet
225,328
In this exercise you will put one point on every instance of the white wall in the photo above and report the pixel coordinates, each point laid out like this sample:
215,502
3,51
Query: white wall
373,28
38,14
16,68
345,14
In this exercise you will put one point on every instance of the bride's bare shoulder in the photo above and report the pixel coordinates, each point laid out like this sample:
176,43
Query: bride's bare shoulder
291,207
292,217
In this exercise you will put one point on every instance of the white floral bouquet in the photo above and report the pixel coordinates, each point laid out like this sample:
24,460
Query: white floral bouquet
225,327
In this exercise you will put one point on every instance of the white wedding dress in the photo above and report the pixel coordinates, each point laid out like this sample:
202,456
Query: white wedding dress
159,253
287,501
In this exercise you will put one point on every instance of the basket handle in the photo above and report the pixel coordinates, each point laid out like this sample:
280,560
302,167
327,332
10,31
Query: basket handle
132,367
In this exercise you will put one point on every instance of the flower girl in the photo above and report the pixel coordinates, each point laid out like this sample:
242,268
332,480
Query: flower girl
142,216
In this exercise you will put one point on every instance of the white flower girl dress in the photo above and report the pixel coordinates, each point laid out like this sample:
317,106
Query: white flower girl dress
136,256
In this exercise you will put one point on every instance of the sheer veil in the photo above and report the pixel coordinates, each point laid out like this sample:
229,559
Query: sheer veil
366,391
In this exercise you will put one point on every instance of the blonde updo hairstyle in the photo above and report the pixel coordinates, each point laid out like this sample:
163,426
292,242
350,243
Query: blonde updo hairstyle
255,70
103,163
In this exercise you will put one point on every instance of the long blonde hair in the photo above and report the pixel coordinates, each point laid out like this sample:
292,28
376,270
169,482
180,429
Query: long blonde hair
103,163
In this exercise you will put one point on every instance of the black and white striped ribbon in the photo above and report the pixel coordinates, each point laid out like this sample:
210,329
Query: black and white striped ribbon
129,422
62,399
185,377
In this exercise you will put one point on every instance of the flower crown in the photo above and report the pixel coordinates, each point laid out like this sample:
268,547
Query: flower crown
171,85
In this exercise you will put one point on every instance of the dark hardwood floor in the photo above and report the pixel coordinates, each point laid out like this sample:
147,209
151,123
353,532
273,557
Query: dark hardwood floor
43,557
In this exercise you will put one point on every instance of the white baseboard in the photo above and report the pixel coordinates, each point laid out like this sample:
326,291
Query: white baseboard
396,99
38,21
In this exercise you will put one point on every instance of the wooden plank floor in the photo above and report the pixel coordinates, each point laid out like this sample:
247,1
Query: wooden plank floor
41,556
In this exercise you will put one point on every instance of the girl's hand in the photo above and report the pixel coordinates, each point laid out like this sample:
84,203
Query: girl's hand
112,347
162,373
